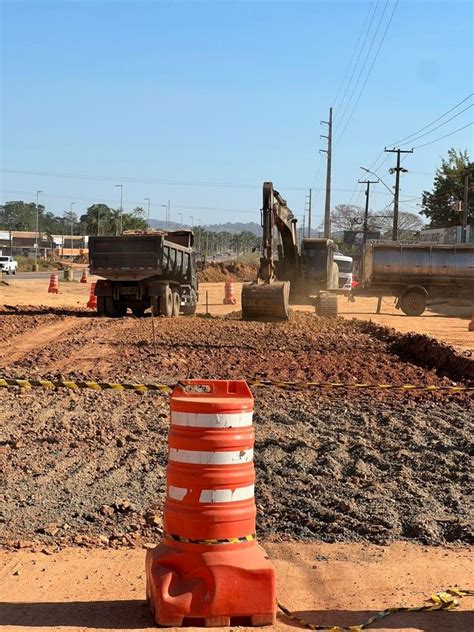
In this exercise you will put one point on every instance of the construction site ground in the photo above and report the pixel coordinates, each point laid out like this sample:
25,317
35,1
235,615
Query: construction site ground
362,496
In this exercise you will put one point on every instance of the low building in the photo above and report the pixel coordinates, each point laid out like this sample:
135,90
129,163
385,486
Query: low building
449,235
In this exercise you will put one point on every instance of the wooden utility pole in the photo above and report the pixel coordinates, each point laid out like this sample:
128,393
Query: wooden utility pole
396,198
465,209
309,213
366,214
328,151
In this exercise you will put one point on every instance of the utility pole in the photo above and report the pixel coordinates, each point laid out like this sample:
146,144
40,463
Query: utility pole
72,230
121,206
465,209
37,229
309,212
328,151
366,214
148,213
302,232
396,198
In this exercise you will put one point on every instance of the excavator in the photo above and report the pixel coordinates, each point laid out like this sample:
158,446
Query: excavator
298,276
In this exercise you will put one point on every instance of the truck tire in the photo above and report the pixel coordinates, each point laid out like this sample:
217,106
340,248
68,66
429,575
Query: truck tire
113,308
413,303
326,305
101,305
14,271
166,303
176,302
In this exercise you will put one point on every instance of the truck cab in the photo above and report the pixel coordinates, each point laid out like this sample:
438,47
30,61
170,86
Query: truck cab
8,265
345,267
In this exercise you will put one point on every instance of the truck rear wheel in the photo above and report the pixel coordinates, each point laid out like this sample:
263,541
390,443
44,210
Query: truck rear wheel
101,305
326,305
113,308
413,303
176,298
166,303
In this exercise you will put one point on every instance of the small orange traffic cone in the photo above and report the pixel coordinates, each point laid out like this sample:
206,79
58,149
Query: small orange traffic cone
229,298
471,324
84,276
92,302
53,284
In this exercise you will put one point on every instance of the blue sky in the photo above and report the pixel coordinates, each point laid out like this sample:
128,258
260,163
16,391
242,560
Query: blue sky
223,92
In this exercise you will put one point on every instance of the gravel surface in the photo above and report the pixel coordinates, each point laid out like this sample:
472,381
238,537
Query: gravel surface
89,468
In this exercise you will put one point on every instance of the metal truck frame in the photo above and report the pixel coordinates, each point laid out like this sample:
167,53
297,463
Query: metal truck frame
418,275
153,270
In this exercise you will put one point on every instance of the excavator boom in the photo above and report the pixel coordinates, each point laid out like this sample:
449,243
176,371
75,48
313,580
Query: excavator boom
268,298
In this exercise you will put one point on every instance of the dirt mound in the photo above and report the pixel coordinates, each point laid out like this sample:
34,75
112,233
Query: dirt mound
89,467
426,351
214,272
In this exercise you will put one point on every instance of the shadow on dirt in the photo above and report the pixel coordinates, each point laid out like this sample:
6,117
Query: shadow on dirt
133,614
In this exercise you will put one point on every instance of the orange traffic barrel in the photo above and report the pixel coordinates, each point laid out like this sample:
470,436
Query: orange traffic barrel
92,302
471,324
83,276
53,284
209,547
229,296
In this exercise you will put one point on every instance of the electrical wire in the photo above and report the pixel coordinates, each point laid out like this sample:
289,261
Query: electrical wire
353,56
367,55
398,142
371,67
445,136
232,185
438,126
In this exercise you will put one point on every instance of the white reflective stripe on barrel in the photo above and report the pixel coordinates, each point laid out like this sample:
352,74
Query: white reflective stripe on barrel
211,458
226,495
177,493
211,420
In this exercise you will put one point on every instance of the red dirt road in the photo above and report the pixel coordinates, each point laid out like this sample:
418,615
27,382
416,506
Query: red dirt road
77,590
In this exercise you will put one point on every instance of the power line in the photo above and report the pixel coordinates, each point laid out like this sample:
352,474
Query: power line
399,142
372,64
346,103
353,56
445,136
232,185
440,125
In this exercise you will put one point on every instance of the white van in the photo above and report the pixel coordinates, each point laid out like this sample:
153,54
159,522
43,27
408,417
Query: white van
344,263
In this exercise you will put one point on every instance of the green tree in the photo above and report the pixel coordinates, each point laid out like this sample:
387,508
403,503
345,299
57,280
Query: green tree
441,205
97,220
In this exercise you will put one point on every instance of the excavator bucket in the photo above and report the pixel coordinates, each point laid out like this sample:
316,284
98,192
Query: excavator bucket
266,301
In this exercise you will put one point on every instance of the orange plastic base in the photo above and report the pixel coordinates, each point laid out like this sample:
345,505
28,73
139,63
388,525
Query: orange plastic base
229,301
213,587
53,290
471,325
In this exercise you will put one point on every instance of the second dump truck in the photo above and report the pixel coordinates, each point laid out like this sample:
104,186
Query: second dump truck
151,270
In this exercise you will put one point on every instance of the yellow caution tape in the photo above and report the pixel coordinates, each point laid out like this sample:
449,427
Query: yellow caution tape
445,600
245,538
6,382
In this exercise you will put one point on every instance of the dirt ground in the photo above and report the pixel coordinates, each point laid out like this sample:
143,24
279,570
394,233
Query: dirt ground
325,584
452,330
362,496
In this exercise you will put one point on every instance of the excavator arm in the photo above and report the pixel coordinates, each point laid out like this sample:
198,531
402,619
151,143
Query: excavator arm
268,298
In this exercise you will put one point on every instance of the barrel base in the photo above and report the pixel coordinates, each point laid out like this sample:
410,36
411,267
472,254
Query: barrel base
215,586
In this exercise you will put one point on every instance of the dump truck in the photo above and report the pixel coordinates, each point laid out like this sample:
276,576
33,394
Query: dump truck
149,270
418,275
298,274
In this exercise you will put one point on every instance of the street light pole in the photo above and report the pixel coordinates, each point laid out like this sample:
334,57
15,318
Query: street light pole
37,227
181,219
148,214
121,204
72,228
366,214
191,217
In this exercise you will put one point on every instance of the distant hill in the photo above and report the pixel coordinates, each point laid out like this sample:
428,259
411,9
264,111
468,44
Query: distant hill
229,227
